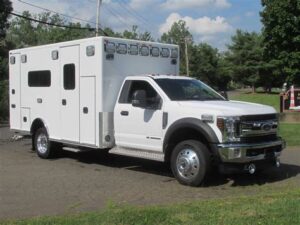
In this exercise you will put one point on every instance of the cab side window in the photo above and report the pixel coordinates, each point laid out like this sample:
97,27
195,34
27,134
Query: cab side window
130,87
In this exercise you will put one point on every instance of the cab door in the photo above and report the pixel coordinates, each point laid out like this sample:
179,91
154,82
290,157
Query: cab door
139,127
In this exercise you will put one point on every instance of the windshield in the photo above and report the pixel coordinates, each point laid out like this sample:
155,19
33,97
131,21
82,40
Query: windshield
188,90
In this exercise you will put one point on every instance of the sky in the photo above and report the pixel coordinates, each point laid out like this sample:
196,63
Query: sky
209,21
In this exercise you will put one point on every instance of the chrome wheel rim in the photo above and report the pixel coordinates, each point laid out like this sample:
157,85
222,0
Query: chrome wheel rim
187,164
42,143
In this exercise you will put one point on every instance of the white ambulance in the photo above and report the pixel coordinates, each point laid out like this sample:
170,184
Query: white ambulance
125,96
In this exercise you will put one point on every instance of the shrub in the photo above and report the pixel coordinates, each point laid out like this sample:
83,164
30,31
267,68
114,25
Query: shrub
4,100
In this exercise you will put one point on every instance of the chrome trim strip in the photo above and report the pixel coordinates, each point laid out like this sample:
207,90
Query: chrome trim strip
252,145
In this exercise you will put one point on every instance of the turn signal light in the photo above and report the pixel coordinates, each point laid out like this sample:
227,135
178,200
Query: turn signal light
221,124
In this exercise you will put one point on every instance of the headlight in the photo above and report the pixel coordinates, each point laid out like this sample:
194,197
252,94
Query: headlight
229,127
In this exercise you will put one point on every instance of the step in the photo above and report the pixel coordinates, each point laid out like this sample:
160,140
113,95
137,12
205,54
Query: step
144,154
71,149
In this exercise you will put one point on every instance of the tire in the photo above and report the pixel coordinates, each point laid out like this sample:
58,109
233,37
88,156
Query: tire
44,148
190,162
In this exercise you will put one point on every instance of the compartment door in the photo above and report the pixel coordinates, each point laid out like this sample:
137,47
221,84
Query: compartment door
87,110
69,102
26,120
15,92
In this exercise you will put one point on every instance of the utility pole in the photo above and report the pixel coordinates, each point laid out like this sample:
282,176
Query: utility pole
187,40
99,2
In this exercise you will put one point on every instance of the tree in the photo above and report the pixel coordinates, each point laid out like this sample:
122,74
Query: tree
4,100
281,37
5,10
176,35
24,33
133,34
204,63
109,32
224,72
245,54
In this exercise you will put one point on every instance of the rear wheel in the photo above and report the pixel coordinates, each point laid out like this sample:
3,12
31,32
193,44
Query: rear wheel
190,162
44,147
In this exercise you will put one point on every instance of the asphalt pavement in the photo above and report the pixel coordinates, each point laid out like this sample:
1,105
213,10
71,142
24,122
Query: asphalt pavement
90,181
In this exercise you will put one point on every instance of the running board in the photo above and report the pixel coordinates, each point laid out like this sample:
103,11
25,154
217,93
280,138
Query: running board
144,154
73,149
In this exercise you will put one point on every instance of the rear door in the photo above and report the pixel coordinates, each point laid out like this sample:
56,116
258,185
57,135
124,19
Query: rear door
69,102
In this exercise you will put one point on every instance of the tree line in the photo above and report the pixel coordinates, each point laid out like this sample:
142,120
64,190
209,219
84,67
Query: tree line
266,59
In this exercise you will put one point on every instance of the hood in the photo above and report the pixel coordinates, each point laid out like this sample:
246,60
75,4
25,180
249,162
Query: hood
228,108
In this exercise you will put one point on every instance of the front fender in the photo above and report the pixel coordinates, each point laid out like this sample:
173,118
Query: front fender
193,123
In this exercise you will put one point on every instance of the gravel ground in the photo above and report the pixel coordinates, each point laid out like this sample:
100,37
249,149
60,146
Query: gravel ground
79,182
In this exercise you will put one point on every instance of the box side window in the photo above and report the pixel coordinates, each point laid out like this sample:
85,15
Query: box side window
69,76
40,78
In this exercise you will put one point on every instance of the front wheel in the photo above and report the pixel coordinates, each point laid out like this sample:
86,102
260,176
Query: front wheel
190,162
43,146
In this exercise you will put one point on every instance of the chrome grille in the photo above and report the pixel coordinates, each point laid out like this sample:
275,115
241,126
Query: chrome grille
264,125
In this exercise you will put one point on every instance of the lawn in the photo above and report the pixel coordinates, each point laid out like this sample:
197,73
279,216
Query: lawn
275,208
291,133
262,98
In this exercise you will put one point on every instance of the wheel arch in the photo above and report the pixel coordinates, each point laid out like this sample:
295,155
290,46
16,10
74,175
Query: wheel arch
188,128
36,124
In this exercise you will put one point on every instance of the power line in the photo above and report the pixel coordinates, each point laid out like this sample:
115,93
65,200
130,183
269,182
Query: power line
117,16
131,10
133,13
52,11
115,13
56,25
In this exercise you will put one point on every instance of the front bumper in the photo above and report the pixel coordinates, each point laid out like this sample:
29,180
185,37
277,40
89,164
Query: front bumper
249,152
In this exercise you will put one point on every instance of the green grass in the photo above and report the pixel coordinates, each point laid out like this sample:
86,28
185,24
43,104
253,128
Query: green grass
262,98
276,208
291,133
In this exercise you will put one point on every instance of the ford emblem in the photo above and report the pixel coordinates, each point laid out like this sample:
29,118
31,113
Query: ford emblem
266,126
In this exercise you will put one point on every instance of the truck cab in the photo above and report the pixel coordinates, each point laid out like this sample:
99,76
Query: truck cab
185,122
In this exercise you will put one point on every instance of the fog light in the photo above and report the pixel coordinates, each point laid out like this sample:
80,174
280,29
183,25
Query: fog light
277,162
237,153
252,168
234,153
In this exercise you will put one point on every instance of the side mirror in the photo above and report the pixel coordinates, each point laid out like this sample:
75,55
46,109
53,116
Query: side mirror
139,99
154,103
224,94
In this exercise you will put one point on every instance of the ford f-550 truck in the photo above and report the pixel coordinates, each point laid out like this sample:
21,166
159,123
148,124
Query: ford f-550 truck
126,96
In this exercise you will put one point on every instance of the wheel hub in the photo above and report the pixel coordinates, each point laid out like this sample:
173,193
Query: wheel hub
187,164
42,143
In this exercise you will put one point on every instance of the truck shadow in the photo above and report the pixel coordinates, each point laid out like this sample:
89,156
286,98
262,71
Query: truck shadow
270,175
